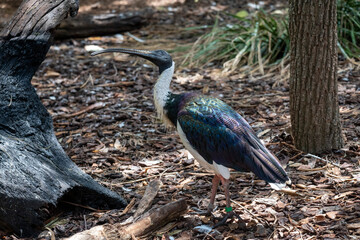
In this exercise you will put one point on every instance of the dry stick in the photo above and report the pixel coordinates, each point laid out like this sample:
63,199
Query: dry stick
149,195
133,181
293,157
259,219
87,109
116,84
128,207
324,160
145,178
90,78
85,207
290,146
353,152
309,155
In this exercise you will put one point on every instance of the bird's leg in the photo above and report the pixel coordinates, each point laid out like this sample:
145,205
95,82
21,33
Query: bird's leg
215,184
226,184
229,211
210,208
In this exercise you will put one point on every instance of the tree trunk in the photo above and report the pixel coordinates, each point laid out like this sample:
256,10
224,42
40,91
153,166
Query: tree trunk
314,106
35,173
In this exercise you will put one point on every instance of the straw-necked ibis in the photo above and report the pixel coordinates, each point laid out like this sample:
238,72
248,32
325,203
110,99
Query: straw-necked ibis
215,134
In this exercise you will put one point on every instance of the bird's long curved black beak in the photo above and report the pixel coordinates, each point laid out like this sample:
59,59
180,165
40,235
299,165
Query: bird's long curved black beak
148,55
140,53
159,57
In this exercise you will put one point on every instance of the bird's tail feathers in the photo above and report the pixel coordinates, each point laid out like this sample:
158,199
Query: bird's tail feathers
277,186
268,168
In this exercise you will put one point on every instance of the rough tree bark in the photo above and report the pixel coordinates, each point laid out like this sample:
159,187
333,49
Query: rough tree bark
35,173
314,104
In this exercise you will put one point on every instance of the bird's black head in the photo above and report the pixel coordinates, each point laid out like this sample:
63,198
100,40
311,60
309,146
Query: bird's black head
160,58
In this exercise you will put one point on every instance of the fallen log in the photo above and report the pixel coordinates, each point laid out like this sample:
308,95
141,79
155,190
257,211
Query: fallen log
35,172
156,218
150,222
104,24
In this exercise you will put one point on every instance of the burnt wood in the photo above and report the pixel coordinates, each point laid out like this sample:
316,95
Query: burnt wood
89,24
35,172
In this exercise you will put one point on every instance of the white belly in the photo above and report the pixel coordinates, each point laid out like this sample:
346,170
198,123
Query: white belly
218,169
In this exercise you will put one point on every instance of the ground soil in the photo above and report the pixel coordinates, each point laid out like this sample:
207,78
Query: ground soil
105,120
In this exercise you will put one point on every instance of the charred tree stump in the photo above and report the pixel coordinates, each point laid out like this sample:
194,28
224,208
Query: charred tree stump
35,172
88,24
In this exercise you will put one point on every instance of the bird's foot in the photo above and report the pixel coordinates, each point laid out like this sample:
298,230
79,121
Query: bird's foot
231,214
207,212
200,212
210,209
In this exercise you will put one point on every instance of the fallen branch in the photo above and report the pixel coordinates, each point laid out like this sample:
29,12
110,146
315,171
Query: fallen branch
150,222
156,218
104,24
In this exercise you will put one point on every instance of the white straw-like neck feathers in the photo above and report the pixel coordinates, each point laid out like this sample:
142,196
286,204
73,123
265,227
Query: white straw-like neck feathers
161,92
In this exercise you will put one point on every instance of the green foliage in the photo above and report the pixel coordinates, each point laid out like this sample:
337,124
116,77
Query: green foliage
348,14
261,40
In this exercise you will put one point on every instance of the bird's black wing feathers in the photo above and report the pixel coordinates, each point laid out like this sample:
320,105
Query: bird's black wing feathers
220,134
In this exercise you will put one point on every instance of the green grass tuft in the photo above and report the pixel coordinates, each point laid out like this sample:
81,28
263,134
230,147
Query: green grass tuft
261,40
348,15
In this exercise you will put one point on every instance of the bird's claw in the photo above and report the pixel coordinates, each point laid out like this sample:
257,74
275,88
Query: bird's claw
228,215
222,221
198,211
207,212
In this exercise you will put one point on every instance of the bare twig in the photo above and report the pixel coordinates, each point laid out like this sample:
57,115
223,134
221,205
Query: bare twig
242,207
128,207
83,206
87,109
117,84
321,159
